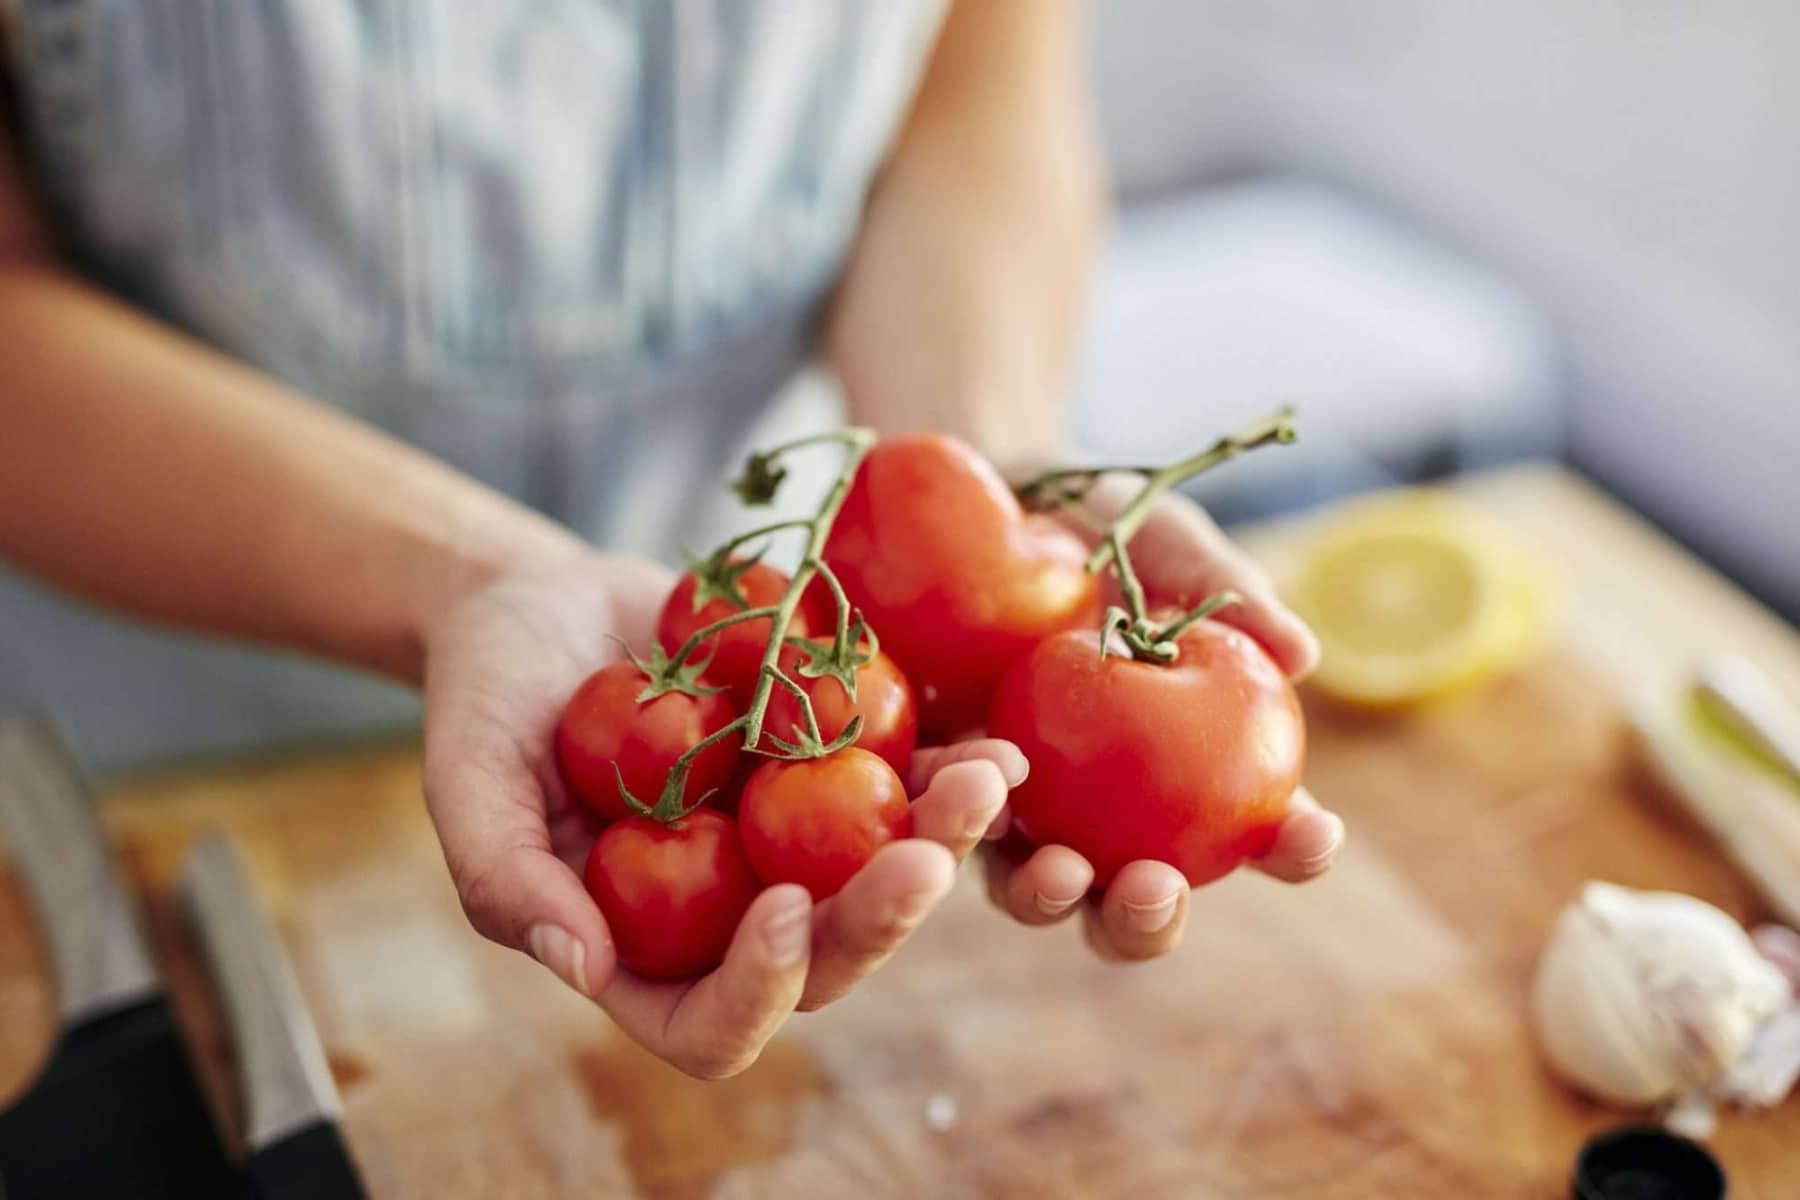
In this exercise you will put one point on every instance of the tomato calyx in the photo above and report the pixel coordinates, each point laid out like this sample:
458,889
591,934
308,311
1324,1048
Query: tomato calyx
716,576
853,644
671,805
663,674
1156,642
761,479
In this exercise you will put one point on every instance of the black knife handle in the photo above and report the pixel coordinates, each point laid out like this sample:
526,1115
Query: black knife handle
287,1084
48,820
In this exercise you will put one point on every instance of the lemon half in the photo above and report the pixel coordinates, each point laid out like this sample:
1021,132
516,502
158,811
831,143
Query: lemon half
1417,595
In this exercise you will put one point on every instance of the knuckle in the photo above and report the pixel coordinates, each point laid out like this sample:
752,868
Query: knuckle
479,891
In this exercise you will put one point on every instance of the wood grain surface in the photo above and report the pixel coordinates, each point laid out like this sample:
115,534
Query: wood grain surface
1361,1036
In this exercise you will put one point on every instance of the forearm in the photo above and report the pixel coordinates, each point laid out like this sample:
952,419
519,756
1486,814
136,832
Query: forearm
961,303
150,473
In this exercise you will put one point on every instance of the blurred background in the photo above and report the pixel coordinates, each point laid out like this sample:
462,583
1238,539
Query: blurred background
1459,233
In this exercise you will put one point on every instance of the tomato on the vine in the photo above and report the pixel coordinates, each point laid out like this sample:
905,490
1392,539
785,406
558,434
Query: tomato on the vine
672,894
954,575
604,726
884,701
736,651
816,821
1191,763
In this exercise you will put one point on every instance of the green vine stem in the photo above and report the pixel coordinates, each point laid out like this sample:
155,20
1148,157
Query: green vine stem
856,443
762,476
1147,640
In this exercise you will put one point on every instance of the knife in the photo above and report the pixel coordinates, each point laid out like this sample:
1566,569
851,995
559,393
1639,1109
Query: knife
116,1110
294,1150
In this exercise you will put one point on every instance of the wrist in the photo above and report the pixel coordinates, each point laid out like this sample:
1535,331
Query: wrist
486,539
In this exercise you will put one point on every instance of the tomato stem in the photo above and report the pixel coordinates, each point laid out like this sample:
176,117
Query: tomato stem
1067,487
762,531
856,443
706,631
762,476
1276,428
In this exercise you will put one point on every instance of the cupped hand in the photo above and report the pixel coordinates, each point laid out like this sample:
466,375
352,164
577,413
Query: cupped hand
1182,557
500,663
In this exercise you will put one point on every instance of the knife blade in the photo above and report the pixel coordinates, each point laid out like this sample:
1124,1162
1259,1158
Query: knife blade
116,1111
294,1148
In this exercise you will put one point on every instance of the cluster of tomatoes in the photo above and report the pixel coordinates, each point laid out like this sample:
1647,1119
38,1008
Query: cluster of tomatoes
988,617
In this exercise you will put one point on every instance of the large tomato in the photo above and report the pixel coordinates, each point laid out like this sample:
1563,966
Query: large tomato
604,725
883,700
737,651
672,895
956,578
816,821
1192,763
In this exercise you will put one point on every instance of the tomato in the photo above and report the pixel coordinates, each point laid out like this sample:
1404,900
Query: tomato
816,821
956,578
672,895
604,725
884,701
1192,763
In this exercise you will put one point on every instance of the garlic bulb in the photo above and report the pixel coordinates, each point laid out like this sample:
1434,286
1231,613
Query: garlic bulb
1642,997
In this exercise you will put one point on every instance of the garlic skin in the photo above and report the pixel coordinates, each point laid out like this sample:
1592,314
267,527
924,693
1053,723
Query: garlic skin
1642,997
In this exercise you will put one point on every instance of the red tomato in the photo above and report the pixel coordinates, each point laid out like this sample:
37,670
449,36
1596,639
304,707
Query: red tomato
604,724
1191,764
738,658
672,895
883,700
816,821
956,578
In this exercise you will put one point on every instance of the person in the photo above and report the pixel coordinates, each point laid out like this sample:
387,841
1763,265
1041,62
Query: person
329,325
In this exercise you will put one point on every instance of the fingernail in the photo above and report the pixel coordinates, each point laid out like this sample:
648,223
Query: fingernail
1328,848
553,946
1052,907
788,934
1016,769
1150,918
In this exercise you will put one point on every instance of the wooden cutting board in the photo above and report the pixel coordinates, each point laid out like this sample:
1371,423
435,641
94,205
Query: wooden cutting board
1362,1036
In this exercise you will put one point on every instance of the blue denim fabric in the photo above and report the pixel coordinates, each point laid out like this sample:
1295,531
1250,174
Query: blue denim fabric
571,246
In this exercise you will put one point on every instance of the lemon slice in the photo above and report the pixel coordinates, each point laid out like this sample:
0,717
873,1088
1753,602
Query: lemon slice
1416,595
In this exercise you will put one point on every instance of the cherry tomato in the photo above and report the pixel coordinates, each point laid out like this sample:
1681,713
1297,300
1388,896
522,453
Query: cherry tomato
604,725
884,701
1192,763
956,578
738,650
816,821
672,895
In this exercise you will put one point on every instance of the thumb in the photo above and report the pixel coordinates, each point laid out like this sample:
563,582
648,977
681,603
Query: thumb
513,887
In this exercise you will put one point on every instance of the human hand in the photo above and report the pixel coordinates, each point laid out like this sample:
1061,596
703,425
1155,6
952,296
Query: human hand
1181,557
500,664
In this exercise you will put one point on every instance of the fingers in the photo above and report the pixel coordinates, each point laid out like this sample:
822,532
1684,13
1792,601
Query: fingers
514,889
929,760
1141,915
1183,557
858,929
1781,946
962,804
715,1027
1042,889
1308,842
